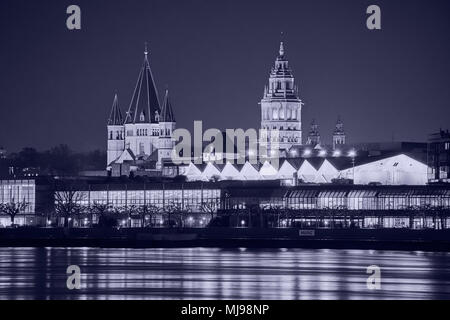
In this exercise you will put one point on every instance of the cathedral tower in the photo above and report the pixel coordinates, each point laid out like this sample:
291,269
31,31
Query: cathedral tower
313,135
115,132
281,106
166,126
338,134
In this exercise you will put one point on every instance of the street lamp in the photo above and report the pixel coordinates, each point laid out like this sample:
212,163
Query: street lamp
307,152
322,153
336,153
352,154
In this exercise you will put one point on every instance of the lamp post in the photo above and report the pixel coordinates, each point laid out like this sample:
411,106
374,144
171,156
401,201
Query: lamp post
352,154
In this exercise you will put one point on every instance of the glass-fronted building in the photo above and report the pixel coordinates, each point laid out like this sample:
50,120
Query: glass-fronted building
413,207
317,205
131,199
35,194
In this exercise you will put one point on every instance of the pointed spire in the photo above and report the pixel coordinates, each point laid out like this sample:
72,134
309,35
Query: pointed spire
145,96
115,117
281,49
166,111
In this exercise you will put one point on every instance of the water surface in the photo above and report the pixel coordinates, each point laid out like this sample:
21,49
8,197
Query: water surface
209,273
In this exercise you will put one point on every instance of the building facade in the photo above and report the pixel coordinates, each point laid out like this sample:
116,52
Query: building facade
439,156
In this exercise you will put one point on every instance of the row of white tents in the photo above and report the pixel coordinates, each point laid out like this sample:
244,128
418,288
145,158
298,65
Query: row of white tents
394,170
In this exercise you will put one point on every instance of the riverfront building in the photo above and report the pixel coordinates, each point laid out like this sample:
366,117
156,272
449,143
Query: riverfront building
314,205
137,204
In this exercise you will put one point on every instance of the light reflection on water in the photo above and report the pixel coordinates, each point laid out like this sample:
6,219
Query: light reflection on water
211,273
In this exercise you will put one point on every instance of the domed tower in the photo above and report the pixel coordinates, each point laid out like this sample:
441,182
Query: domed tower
167,125
338,134
281,107
116,136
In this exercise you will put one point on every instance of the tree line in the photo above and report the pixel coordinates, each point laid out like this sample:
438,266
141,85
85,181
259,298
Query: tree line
59,160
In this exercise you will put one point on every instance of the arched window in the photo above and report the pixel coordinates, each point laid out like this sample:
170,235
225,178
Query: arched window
275,114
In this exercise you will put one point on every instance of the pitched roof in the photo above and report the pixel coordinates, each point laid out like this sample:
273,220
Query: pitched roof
115,117
145,103
166,111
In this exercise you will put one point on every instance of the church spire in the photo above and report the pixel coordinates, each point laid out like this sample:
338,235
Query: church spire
166,111
144,105
281,49
281,80
115,117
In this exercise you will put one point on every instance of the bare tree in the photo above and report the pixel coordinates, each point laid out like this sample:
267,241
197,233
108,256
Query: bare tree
130,211
13,208
99,209
172,209
145,210
68,203
209,207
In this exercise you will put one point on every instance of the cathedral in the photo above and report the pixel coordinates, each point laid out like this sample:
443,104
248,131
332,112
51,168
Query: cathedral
143,138
141,141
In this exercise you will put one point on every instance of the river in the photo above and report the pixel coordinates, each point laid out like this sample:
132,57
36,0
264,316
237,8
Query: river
214,273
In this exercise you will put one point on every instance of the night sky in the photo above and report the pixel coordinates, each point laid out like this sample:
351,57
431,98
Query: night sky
57,86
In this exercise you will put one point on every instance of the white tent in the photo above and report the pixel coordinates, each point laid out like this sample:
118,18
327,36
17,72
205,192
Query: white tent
210,171
249,172
230,172
267,171
327,171
396,170
307,173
